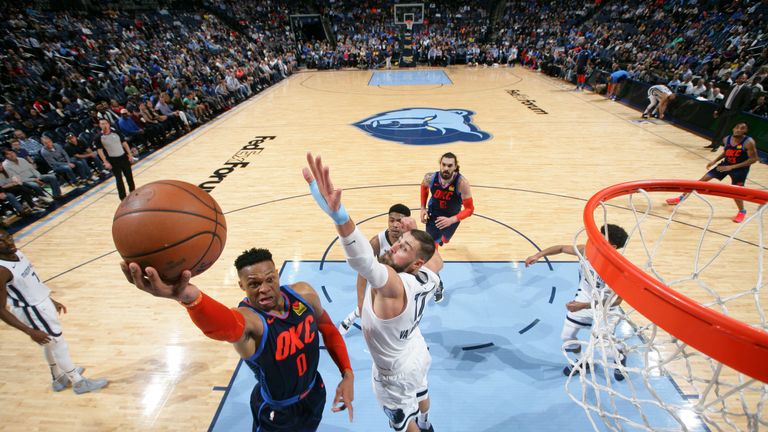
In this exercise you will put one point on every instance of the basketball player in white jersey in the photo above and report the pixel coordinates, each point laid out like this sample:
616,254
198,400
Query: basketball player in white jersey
380,243
35,313
580,315
400,287
659,95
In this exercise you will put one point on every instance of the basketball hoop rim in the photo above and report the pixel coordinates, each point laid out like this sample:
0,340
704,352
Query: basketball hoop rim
725,339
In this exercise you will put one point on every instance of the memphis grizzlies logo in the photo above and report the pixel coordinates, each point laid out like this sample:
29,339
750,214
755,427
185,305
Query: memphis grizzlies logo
423,126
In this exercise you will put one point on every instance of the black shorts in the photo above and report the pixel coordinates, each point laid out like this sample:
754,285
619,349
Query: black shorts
443,236
302,416
738,176
581,70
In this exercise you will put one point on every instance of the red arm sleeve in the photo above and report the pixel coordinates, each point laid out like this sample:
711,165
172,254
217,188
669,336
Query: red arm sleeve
424,195
334,342
469,208
216,320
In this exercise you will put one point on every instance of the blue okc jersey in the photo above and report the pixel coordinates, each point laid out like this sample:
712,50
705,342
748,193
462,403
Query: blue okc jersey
735,153
285,361
445,201
583,57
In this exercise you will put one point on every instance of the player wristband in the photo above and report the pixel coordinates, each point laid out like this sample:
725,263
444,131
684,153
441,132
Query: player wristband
194,302
340,216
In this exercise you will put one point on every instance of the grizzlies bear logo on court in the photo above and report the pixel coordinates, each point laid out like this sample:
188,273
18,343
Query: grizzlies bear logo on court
423,126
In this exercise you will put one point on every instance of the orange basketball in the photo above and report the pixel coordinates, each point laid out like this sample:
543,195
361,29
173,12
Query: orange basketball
170,225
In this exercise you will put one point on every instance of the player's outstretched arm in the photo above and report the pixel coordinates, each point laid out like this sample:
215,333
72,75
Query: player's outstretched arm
356,247
552,250
213,318
361,283
714,162
149,281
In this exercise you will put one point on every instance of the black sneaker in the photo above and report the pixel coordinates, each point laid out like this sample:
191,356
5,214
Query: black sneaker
576,350
439,292
567,370
618,375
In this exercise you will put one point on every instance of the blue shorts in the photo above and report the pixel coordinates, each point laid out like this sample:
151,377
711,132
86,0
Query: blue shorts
738,176
302,416
443,236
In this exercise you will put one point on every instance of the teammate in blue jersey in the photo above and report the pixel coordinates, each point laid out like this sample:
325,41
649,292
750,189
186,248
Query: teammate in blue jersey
450,191
583,58
443,212
739,153
275,330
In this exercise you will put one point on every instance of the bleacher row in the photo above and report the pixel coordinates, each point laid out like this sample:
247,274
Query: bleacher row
155,76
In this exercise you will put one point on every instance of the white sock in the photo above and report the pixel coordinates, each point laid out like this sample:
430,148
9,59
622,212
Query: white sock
60,351
422,420
48,353
357,312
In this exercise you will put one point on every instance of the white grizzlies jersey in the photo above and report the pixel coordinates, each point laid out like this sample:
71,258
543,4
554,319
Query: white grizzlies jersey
25,289
393,341
384,244
658,90
587,290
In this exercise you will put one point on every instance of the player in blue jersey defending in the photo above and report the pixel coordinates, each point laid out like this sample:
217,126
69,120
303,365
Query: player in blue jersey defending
275,330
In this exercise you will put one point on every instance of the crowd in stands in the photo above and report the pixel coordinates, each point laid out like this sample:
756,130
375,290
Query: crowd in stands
265,22
157,75
366,35
695,47
153,76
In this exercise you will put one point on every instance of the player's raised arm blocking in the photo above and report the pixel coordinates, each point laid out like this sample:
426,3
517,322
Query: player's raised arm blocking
356,247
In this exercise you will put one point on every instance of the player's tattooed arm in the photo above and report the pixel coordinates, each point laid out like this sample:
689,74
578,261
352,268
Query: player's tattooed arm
427,179
424,197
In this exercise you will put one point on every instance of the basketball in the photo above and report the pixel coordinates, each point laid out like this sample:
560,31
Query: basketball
172,226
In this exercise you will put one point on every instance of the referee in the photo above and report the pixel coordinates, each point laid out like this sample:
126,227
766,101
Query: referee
116,155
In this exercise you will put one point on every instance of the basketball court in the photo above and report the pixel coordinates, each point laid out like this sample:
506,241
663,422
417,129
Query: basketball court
533,150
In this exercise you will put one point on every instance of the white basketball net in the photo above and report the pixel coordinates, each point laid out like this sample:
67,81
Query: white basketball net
668,385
